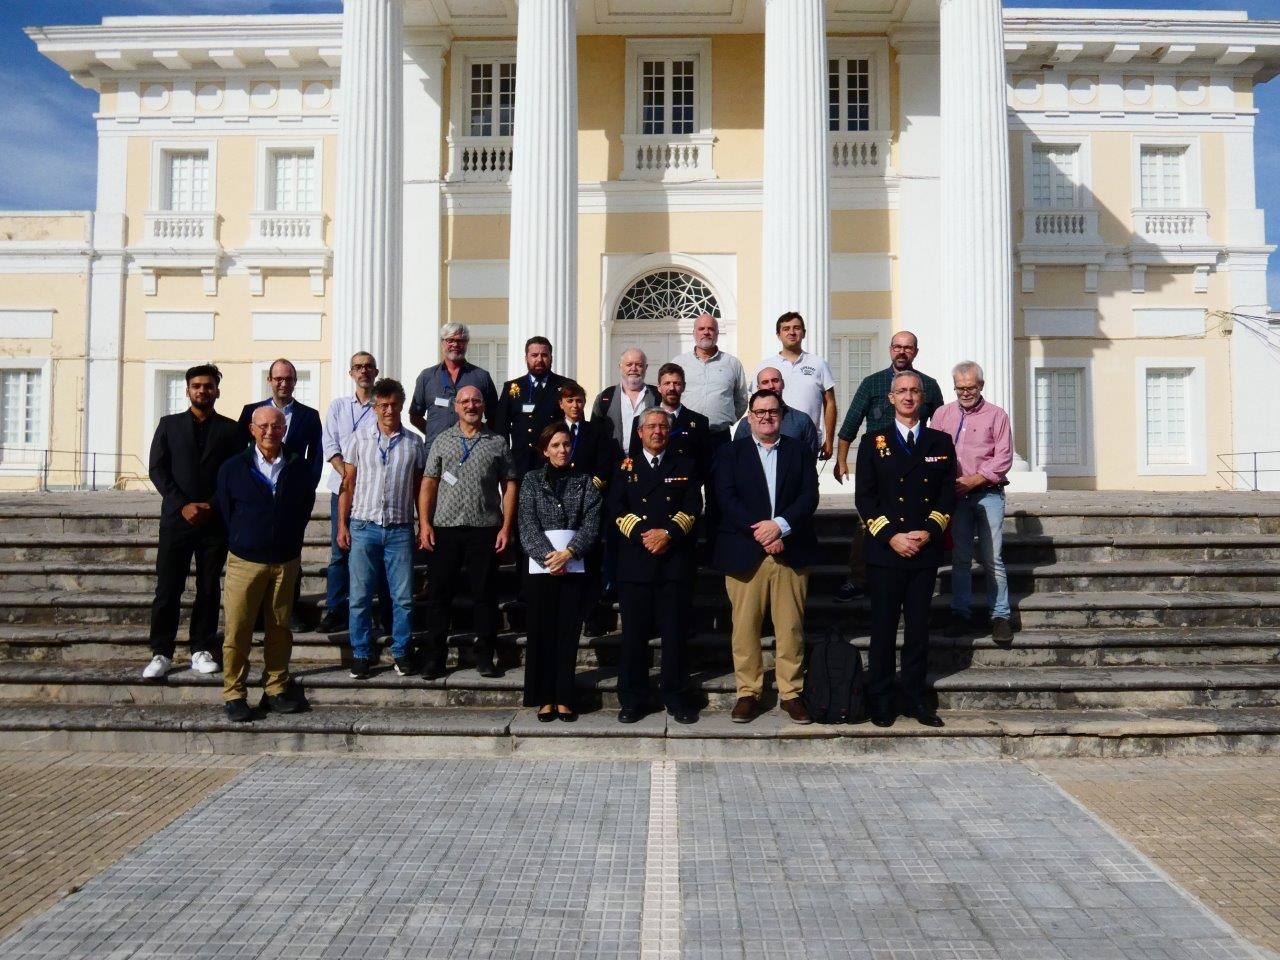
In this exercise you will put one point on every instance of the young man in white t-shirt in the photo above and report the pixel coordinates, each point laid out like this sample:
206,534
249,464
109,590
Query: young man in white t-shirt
810,386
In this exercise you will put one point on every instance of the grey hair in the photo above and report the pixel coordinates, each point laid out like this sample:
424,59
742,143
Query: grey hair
651,411
644,356
455,330
906,373
966,367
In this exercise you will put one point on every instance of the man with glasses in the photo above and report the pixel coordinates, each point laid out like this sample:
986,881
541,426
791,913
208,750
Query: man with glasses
345,416
870,404
767,487
905,489
984,446
432,409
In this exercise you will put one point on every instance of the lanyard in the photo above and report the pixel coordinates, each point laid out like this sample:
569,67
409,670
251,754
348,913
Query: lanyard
395,441
466,450
450,385
960,429
902,443
355,422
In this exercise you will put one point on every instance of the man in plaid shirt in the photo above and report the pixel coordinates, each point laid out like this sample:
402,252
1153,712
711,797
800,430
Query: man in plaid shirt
871,404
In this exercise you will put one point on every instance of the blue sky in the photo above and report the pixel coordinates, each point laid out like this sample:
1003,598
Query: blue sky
47,141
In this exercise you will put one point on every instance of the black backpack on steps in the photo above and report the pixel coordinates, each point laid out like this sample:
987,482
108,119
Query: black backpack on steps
834,688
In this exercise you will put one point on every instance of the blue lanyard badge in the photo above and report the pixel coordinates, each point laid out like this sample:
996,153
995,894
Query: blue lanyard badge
356,421
395,441
466,450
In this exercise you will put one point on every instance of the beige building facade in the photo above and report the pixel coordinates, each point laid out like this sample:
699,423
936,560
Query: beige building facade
306,186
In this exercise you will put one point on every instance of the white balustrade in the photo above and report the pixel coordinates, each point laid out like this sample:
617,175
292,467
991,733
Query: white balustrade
1073,226
863,154
168,229
286,230
668,158
1171,226
480,159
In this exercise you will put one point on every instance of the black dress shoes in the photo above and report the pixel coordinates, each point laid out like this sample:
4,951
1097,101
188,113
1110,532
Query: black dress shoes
332,622
629,715
925,717
684,715
882,719
238,711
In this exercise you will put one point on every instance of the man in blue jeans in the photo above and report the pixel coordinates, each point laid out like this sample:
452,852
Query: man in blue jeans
984,451
382,472
345,416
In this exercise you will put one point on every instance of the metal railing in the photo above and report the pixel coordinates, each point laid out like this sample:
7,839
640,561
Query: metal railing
50,469
1247,466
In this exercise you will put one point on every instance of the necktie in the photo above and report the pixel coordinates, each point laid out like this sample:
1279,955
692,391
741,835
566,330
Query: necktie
574,431
911,441
653,462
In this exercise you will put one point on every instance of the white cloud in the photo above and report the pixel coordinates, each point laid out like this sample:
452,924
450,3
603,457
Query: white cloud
48,146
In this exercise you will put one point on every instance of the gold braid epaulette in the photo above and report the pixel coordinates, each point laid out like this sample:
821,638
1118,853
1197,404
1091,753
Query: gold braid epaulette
940,518
684,522
876,525
628,523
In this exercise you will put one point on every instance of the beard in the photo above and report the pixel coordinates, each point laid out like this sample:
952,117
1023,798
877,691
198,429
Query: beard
633,382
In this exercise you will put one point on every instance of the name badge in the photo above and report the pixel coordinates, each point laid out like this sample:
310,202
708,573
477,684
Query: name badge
442,401
449,478
527,408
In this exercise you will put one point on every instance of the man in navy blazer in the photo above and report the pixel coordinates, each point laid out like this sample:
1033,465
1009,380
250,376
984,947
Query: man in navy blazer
303,430
767,487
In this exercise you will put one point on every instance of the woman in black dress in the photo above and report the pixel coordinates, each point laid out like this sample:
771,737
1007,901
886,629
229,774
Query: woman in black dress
559,500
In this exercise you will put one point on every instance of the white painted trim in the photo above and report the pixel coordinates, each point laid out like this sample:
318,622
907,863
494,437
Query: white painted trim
286,326
159,169
1052,125
1196,459
696,49
44,365
479,279
1085,469
218,126
462,54
1163,322
180,324
1084,166
877,51
861,273
26,323
1050,322
1193,180
265,179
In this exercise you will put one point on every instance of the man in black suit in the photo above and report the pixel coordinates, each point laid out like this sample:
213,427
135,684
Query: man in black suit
654,503
186,452
767,488
303,430
526,405
690,431
905,483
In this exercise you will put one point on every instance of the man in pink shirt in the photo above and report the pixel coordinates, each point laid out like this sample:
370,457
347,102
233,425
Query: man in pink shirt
984,451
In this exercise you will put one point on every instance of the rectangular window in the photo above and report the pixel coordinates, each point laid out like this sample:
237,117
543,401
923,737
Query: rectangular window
188,181
852,358
173,391
489,354
1060,416
1163,172
293,185
668,92
1055,177
20,415
492,107
848,94
1168,391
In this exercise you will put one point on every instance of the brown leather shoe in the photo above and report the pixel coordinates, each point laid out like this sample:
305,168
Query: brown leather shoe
794,708
745,710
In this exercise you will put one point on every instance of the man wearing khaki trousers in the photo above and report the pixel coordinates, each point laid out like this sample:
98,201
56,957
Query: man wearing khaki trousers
264,497
767,486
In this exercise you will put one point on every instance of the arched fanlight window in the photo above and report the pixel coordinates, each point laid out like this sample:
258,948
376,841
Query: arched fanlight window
667,295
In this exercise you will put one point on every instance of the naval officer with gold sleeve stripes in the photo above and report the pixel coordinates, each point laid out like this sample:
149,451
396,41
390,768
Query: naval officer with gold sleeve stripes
905,492
654,502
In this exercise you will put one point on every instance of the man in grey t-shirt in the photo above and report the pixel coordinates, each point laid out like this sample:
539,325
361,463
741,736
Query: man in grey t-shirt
467,508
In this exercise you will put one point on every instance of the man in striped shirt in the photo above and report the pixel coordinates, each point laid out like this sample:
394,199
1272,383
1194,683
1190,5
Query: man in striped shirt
382,472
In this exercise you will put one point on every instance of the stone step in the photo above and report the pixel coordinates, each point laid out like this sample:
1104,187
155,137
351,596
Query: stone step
467,732
1041,688
1160,647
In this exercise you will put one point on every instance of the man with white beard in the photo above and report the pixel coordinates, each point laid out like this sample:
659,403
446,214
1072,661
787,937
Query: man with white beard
620,404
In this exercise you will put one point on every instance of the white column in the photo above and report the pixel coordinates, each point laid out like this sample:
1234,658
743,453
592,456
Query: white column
423,119
977,270
796,222
367,241
543,290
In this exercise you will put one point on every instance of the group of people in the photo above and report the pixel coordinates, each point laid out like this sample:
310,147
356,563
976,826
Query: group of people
624,503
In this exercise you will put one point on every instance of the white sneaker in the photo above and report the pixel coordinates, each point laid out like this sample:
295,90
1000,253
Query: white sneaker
202,662
157,668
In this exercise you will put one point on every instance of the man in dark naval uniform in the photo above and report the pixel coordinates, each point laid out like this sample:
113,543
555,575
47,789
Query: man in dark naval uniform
905,483
527,404
654,502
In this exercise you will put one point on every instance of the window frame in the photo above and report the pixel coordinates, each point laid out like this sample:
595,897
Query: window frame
1086,466
44,397
859,48
1084,169
696,49
161,151
258,381
264,193
462,54
1197,460
1192,180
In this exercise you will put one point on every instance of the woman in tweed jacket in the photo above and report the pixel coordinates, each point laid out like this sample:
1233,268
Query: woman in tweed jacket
555,497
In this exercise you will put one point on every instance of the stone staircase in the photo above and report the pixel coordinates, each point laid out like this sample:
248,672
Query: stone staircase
1147,623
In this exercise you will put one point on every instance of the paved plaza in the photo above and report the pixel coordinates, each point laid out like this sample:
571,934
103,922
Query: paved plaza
336,857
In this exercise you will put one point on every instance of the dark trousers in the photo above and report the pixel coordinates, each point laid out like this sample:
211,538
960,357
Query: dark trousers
907,594
857,565
647,608
710,519
458,549
554,627
179,542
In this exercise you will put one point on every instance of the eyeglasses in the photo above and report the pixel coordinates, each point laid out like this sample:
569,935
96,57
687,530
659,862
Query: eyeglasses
455,340
901,391
364,366
282,379
977,389
770,414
